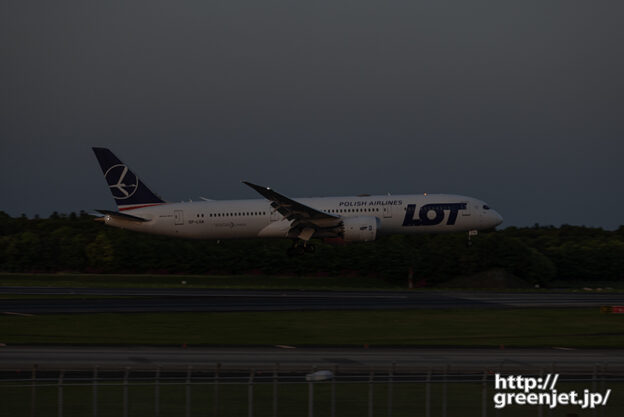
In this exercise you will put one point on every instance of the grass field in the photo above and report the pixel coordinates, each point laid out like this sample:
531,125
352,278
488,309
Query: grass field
196,281
249,282
581,327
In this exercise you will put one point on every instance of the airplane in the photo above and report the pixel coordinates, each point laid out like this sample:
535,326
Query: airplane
358,218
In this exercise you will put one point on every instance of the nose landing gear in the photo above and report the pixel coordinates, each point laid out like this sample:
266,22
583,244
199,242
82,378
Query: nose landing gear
471,233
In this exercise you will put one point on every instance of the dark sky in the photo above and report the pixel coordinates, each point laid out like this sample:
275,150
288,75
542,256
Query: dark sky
519,103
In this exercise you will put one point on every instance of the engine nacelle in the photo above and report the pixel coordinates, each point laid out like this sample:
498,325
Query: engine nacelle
360,229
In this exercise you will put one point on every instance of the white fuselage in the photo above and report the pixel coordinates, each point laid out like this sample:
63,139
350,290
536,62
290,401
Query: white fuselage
228,219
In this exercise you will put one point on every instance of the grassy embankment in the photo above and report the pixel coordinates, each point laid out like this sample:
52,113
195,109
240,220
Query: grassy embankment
254,282
196,281
582,327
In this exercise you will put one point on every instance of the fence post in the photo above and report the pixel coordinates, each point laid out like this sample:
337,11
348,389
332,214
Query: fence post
552,371
540,408
311,396
603,382
157,393
275,381
310,399
497,411
333,392
428,395
370,393
188,391
125,392
444,389
33,391
484,395
595,386
60,394
95,390
250,393
216,390
390,387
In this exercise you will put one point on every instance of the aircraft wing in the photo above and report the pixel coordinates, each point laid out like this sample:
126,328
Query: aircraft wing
301,214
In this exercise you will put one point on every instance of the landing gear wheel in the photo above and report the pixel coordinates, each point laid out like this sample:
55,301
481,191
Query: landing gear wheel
295,251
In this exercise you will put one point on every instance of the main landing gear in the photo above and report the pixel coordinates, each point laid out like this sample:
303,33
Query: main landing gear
301,247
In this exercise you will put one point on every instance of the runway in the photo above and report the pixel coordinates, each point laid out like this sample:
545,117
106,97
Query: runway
498,360
123,300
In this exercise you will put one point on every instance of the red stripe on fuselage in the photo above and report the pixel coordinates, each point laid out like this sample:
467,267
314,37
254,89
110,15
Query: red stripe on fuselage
136,207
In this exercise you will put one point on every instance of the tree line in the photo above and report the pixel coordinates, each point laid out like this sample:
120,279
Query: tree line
539,255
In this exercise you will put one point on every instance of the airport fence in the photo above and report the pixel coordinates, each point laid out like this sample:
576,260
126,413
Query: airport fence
334,391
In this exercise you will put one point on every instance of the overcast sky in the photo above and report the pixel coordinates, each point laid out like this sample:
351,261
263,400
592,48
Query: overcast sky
520,103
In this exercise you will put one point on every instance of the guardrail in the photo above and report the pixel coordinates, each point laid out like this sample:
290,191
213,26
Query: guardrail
221,391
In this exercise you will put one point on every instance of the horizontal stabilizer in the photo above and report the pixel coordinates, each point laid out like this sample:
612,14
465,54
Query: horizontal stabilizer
122,216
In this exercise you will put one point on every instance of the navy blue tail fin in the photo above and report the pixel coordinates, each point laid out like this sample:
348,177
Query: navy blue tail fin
127,189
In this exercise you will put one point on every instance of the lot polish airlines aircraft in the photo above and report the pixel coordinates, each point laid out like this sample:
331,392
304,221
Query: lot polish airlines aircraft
353,218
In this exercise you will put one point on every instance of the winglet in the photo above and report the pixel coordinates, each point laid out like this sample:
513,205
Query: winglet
260,189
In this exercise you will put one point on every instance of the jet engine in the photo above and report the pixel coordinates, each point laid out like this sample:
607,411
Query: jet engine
360,229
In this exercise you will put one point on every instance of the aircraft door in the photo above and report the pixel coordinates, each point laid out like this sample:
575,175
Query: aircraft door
178,215
387,212
468,211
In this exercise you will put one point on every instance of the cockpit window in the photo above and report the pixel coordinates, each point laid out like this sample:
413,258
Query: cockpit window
486,207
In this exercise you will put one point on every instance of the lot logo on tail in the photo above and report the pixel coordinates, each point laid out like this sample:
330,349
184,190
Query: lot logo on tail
122,182
438,209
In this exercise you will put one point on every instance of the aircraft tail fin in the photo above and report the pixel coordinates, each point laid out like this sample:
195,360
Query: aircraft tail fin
128,190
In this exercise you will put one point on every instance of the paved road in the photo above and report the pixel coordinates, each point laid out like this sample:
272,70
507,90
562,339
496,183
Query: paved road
181,300
506,360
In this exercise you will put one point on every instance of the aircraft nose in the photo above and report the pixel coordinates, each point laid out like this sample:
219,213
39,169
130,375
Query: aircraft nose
494,218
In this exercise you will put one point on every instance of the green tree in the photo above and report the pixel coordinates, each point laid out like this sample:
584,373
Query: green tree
100,254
